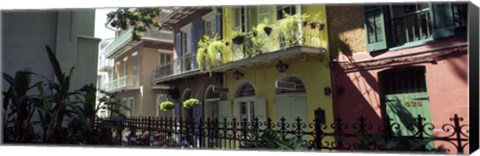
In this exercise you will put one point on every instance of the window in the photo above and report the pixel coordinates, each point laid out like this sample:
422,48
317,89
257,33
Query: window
401,25
209,24
134,68
116,71
263,13
186,49
165,58
241,19
247,110
288,9
125,66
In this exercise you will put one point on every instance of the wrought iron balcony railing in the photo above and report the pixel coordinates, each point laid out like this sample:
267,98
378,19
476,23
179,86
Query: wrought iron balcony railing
175,67
306,34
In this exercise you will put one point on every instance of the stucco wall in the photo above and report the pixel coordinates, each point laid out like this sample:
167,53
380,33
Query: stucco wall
23,46
150,58
314,74
446,79
26,33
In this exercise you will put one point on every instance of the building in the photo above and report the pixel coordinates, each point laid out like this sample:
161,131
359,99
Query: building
241,82
290,80
181,79
398,61
129,65
68,32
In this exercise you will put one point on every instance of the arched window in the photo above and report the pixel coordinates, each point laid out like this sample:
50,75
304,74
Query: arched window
290,100
295,85
245,90
211,103
186,94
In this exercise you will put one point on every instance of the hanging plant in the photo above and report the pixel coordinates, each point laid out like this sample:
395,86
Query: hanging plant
268,30
238,37
321,26
201,58
289,29
305,19
313,25
166,105
210,52
192,102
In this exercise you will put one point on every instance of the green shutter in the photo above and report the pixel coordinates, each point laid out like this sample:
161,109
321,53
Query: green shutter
281,107
375,28
442,20
260,109
224,110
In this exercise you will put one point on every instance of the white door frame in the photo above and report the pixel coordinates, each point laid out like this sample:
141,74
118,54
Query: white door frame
248,99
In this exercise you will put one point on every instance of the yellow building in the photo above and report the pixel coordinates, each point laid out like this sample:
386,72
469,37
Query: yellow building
283,73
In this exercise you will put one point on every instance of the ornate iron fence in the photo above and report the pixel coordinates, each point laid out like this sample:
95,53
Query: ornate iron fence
233,134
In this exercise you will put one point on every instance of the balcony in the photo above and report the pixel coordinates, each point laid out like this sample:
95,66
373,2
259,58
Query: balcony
119,42
175,67
105,64
299,37
128,82
125,41
257,47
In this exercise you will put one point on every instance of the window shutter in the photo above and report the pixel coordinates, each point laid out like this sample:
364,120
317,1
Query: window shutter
197,33
198,112
375,28
178,50
236,110
218,24
224,110
260,109
443,20
281,107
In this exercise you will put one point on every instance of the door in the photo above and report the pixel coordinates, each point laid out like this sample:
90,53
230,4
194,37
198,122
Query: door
211,109
406,97
290,107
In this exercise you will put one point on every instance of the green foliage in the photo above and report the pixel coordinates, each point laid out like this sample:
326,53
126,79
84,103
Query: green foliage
395,144
166,105
270,139
65,116
192,102
210,53
237,33
289,28
140,19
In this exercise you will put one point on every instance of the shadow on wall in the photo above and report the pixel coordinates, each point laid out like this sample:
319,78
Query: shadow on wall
360,89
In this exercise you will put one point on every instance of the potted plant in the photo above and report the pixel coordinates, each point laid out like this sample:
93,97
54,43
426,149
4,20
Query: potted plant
305,20
314,22
166,105
238,37
192,102
268,30
289,28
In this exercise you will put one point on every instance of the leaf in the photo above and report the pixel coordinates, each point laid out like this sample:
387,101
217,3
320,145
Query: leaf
9,79
22,82
44,100
55,64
